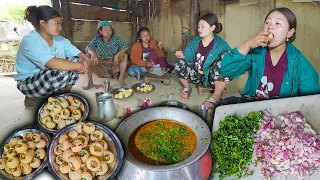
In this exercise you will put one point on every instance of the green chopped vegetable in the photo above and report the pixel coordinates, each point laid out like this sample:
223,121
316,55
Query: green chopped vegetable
204,140
37,154
82,153
232,145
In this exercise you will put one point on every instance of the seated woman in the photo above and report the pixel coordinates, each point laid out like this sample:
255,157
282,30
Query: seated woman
145,53
200,62
42,67
108,53
277,67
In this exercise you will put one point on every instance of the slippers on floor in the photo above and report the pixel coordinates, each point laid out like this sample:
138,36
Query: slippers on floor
213,102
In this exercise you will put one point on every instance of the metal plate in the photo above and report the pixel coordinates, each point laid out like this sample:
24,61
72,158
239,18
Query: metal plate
112,141
134,87
44,136
84,117
116,91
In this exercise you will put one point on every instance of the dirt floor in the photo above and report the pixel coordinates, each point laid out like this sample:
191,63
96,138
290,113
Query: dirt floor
15,116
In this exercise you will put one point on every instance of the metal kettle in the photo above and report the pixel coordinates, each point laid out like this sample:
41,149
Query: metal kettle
106,110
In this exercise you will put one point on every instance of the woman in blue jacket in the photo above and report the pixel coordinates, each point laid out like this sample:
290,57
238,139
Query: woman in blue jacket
276,67
200,62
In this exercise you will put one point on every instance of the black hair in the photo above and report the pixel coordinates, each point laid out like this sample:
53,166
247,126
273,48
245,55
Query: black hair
291,18
212,19
34,14
140,31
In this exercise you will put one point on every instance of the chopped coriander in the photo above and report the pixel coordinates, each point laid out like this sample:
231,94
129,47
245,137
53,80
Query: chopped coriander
232,145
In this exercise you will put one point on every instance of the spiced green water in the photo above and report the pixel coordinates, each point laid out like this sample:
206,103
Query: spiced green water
162,142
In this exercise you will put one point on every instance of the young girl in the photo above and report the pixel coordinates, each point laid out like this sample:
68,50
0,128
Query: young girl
200,62
145,53
277,67
42,67
108,53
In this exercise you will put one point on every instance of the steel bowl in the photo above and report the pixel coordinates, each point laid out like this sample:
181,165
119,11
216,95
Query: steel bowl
115,145
44,136
84,117
116,91
143,84
196,166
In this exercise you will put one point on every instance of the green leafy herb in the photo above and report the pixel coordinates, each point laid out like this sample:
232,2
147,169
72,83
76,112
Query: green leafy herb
37,154
82,153
204,140
232,145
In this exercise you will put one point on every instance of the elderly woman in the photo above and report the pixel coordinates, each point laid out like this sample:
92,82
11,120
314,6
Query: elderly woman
108,54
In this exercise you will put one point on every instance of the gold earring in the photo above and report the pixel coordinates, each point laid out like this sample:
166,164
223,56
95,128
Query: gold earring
287,39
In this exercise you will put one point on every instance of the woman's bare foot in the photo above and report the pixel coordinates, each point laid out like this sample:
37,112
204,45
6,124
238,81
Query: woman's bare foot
121,81
90,85
163,69
185,93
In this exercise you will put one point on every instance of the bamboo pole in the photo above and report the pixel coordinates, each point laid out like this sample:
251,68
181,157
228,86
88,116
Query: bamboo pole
194,16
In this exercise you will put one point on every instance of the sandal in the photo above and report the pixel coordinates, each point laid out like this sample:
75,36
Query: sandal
213,102
186,90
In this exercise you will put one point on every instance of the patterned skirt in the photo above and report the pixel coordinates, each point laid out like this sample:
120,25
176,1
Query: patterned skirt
46,82
187,70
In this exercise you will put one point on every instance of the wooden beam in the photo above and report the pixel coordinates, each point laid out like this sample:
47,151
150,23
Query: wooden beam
98,13
56,5
194,16
67,22
100,3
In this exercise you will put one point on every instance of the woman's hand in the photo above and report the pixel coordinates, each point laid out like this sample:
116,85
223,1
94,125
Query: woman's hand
160,45
149,64
179,55
93,57
84,68
94,60
259,39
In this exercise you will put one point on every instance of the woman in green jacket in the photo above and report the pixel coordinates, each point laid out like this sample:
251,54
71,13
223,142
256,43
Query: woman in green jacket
276,67
200,62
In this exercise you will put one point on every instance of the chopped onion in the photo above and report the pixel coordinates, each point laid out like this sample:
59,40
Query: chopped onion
291,149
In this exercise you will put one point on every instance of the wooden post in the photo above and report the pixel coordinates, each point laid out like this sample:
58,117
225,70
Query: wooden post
194,16
143,22
66,14
56,5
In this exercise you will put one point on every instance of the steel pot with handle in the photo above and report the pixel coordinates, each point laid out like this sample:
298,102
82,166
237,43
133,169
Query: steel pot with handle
105,104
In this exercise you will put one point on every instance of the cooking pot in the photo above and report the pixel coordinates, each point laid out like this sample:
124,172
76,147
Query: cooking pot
197,166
